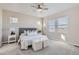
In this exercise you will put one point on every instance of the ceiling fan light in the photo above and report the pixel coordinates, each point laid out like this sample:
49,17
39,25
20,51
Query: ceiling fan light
39,10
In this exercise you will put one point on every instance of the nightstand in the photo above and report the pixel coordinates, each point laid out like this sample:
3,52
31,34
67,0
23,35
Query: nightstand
11,38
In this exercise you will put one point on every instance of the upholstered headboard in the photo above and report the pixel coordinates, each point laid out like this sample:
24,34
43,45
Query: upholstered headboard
21,30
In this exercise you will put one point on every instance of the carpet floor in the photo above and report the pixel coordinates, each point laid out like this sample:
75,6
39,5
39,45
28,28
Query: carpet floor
55,48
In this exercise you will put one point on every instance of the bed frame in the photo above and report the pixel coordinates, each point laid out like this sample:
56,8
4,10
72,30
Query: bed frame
21,30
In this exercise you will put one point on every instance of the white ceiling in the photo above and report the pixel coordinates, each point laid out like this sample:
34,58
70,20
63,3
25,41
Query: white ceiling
26,8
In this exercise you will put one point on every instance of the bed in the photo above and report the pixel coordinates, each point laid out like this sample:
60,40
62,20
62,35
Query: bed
33,35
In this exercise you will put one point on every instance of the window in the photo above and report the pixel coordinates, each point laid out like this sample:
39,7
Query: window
13,20
51,25
60,23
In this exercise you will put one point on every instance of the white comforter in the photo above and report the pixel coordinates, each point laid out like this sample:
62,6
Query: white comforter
30,38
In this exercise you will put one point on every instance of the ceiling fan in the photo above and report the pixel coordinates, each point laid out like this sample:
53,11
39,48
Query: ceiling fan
40,7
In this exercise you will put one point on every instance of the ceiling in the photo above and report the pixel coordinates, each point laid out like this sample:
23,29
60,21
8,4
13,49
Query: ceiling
26,8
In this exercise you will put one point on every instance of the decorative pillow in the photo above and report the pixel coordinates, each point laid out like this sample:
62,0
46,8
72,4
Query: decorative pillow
35,32
25,32
28,32
22,34
32,32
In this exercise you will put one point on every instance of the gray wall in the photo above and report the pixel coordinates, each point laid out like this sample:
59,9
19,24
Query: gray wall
23,22
31,21
0,26
72,34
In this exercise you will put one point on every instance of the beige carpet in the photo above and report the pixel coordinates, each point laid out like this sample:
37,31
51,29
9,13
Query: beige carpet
55,48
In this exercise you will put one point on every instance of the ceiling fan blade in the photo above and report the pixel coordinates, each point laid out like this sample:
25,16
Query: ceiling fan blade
45,8
34,6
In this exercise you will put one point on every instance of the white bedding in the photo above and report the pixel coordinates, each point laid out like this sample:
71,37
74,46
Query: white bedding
30,38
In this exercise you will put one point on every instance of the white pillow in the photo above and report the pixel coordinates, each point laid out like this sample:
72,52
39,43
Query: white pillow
25,31
28,32
35,32
22,34
32,33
